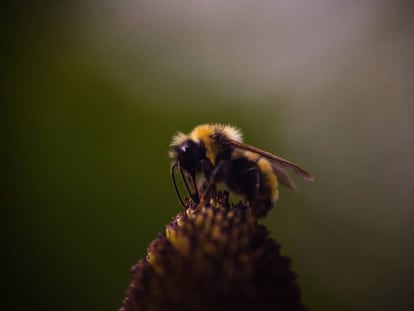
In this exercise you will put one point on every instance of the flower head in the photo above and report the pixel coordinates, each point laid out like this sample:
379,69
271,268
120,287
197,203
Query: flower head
213,257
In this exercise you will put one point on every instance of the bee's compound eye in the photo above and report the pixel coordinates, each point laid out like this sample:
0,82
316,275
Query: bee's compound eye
184,147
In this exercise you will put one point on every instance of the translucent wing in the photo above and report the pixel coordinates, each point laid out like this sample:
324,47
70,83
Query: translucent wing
283,177
279,164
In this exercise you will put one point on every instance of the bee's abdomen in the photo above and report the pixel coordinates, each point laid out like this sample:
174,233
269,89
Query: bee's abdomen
253,177
270,179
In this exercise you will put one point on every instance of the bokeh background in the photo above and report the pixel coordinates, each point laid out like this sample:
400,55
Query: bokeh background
94,90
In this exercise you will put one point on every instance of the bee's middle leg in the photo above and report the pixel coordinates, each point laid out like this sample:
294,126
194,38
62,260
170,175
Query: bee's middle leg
259,203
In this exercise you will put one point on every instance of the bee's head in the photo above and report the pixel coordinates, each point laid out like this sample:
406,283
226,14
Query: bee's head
188,154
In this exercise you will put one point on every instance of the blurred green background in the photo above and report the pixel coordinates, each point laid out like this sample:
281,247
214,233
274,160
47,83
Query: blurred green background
94,91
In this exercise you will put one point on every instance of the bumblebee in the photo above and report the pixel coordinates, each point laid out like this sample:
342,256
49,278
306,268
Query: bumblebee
217,153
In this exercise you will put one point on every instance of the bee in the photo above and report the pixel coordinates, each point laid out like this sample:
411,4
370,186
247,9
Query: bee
217,153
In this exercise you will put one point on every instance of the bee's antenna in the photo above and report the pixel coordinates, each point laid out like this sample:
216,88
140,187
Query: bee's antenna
173,166
187,186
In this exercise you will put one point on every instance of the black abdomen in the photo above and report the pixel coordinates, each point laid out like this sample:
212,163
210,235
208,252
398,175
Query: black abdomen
248,178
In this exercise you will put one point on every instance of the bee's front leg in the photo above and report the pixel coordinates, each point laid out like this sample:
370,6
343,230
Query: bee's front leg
215,175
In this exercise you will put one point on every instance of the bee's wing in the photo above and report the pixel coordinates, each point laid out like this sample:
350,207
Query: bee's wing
279,164
283,177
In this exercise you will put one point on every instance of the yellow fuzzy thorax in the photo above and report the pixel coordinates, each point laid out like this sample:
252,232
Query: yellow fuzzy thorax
205,133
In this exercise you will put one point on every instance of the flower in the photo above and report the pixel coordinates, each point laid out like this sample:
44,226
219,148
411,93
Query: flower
213,257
